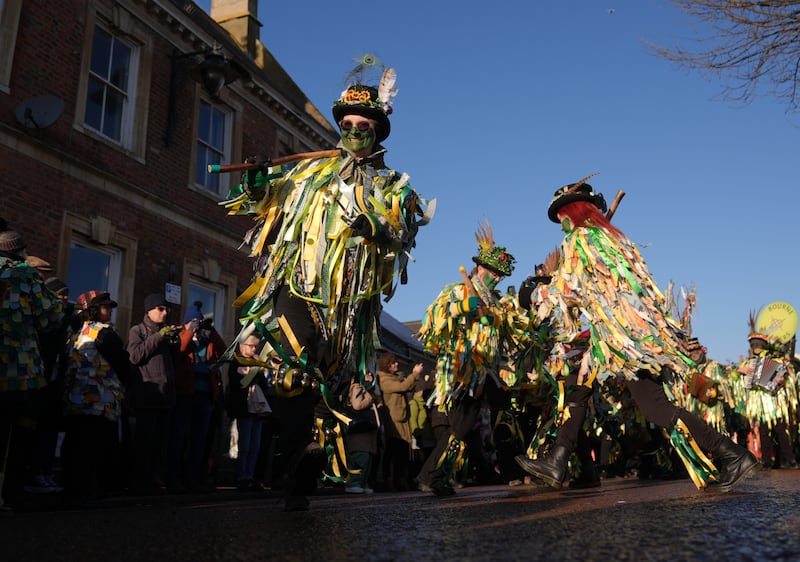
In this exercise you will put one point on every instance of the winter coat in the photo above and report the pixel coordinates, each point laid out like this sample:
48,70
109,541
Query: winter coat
236,394
394,388
91,384
153,358
27,308
421,428
195,371
366,441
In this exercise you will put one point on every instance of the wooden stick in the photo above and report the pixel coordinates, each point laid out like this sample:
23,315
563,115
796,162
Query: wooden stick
615,204
222,168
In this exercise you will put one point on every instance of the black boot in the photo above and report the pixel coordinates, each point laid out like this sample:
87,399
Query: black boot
734,463
301,476
588,477
551,469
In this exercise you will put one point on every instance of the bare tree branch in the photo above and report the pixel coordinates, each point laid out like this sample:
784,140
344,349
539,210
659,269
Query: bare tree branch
752,47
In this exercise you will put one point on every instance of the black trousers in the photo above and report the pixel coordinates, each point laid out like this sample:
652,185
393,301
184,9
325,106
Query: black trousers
90,454
784,456
150,442
296,414
462,417
652,402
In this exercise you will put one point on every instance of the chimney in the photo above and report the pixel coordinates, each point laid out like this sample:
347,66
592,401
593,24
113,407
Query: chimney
240,19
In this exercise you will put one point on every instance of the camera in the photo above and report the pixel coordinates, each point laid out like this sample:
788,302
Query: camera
206,324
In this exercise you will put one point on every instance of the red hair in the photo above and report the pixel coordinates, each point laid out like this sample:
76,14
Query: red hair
583,213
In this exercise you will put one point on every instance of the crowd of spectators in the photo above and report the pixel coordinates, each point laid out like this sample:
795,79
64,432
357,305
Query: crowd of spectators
85,415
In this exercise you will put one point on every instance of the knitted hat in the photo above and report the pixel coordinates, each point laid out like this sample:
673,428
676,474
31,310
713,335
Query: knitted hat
154,300
195,312
10,240
580,191
490,256
94,298
368,101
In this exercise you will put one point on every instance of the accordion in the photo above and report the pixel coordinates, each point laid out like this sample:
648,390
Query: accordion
766,373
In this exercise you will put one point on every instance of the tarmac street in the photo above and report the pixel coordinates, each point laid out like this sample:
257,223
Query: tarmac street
625,519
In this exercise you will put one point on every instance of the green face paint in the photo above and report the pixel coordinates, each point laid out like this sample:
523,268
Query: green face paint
358,141
490,280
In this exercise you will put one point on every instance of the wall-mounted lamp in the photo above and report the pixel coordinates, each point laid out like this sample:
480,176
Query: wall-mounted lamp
216,71
213,71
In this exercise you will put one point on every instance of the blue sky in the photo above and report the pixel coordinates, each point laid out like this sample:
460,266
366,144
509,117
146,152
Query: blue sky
501,103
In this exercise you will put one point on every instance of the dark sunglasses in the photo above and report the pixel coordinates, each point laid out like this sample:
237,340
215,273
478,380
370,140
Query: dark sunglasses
361,125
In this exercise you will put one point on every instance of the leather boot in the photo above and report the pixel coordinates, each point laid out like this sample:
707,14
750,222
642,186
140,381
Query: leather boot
734,463
301,476
551,469
588,477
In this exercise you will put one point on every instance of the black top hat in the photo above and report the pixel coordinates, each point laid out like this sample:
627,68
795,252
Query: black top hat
570,193
363,100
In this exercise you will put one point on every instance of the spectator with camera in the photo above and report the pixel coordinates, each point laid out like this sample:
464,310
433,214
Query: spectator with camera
154,347
197,389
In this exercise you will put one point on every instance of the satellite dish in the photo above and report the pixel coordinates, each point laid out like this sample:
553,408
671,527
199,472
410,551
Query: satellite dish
39,112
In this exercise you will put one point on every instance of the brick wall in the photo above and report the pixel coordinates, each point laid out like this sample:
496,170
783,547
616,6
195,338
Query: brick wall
61,169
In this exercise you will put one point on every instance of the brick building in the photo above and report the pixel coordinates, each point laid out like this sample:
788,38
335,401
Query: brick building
108,120
110,112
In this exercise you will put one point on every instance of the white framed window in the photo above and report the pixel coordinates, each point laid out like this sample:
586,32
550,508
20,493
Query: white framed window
205,281
95,255
112,101
211,299
111,86
94,268
214,134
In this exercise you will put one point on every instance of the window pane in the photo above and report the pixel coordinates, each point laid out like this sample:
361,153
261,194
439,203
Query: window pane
88,270
206,297
120,63
218,131
205,122
101,52
212,180
112,123
94,104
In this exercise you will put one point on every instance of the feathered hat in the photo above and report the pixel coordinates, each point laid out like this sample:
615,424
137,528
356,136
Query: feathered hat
579,191
752,322
543,272
490,256
370,101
